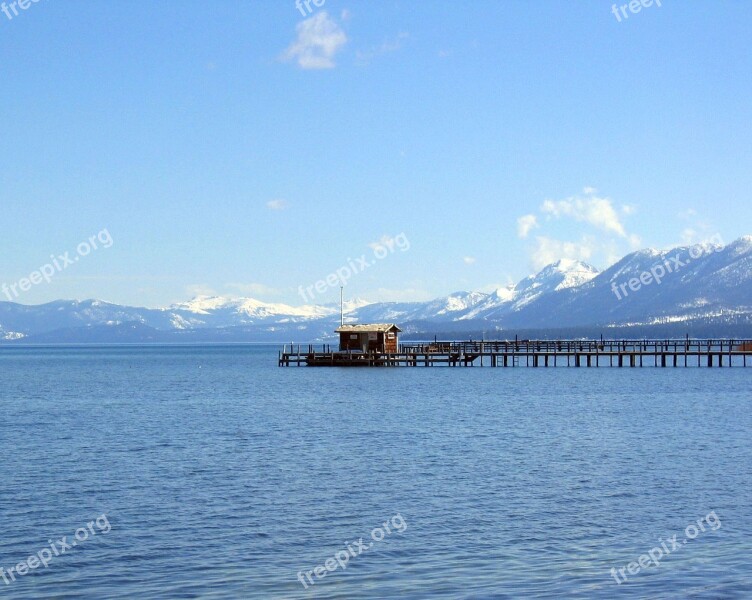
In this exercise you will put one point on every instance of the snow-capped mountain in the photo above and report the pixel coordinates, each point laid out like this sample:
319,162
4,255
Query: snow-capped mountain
450,307
646,287
561,275
217,311
462,306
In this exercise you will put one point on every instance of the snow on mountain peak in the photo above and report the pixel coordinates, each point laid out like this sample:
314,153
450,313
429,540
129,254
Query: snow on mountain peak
575,273
562,274
650,252
256,308
201,304
206,305
741,246
350,305
461,301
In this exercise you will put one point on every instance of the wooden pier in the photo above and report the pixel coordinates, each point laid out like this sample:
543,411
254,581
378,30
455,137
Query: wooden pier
533,353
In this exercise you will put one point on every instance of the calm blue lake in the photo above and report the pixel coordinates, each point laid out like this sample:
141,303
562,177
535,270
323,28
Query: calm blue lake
216,474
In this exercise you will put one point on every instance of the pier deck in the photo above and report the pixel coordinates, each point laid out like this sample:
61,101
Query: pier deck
534,353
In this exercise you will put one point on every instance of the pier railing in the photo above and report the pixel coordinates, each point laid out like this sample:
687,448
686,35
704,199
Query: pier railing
572,352
550,346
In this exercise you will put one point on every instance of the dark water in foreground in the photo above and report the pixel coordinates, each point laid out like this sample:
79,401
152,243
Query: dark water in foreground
223,476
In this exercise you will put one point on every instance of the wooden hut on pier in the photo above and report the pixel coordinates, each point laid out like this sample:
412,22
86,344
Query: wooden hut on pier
370,338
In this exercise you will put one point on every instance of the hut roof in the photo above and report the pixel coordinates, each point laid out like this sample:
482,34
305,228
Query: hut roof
367,328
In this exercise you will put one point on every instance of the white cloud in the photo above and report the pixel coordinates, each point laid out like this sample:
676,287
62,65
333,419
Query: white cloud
689,237
635,241
696,228
469,260
319,39
525,224
598,212
278,204
586,227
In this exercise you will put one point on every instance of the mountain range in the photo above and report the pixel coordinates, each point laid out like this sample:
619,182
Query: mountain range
700,288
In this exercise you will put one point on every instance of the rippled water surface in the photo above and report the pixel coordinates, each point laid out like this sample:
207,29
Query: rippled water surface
224,476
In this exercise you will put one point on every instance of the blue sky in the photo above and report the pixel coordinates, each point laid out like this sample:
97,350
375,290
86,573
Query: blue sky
240,148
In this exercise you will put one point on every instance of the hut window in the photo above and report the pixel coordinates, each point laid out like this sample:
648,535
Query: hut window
353,336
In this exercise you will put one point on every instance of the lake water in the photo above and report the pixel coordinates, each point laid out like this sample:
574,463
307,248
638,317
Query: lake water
216,474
